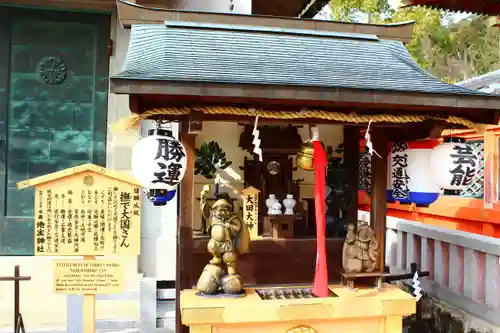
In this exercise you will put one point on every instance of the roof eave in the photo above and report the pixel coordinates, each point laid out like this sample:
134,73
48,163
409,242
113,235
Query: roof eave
341,96
130,13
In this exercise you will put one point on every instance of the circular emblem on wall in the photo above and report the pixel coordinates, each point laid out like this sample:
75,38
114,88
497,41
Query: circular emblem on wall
302,329
52,70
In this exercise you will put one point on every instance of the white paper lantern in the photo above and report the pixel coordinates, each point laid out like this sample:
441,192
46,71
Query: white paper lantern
159,161
423,189
454,165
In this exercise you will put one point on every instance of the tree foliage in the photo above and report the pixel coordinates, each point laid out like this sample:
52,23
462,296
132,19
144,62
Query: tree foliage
452,51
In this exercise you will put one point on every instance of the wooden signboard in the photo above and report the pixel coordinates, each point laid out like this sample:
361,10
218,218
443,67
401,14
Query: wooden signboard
251,211
91,277
87,210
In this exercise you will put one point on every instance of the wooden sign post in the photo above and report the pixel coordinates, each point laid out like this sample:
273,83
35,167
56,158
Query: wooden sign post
86,211
251,211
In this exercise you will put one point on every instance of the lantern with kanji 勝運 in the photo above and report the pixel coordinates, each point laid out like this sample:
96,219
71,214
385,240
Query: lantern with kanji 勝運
159,161
454,164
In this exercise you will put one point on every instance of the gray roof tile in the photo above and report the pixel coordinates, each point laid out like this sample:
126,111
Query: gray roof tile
272,56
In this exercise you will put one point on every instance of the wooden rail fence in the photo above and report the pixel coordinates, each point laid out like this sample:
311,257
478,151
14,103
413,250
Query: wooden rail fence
17,278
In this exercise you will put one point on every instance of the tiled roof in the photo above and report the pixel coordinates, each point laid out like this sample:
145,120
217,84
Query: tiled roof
210,53
482,81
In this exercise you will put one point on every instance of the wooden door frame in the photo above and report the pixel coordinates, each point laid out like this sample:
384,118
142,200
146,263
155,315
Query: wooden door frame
4,104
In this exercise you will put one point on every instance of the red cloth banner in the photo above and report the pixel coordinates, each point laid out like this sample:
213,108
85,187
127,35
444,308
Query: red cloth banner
320,287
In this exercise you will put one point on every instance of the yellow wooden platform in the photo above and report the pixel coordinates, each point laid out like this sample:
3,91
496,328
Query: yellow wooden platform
354,311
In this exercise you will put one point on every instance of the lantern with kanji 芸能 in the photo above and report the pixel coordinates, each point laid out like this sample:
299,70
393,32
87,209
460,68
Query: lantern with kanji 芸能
159,164
454,164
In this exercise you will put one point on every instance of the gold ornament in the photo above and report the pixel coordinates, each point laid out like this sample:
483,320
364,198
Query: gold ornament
304,158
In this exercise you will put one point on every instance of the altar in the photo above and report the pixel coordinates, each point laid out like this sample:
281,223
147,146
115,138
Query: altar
287,310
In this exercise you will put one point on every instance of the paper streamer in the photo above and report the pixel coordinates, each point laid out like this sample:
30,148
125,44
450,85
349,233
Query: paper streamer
416,287
369,143
256,141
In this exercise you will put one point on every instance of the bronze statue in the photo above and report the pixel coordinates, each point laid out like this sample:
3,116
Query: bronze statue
360,250
229,237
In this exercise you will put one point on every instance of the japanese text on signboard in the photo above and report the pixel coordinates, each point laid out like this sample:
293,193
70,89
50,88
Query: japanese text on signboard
250,209
97,220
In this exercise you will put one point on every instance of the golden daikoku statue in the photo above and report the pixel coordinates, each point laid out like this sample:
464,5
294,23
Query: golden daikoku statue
360,250
229,237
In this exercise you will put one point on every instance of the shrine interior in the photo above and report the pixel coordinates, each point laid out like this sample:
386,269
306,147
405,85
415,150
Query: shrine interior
283,238
277,175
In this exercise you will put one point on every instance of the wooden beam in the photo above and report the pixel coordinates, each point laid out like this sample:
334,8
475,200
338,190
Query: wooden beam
185,224
195,122
417,131
351,165
134,104
135,14
283,8
99,5
378,207
457,105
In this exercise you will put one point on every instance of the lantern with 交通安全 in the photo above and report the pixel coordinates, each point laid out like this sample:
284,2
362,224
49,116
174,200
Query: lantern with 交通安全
159,164
409,174
454,164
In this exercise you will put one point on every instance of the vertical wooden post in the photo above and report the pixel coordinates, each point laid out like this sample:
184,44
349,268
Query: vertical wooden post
490,169
185,223
378,211
17,307
88,308
351,165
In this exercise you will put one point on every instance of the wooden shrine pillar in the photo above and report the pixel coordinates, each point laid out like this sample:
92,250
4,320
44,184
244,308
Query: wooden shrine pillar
378,206
351,165
185,223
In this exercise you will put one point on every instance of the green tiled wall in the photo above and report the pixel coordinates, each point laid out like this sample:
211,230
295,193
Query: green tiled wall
47,126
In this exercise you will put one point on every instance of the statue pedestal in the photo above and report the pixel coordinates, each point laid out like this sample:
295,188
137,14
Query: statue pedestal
374,278
282,226
365,310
